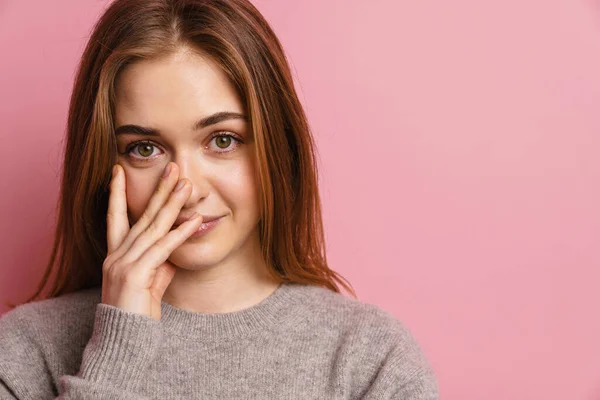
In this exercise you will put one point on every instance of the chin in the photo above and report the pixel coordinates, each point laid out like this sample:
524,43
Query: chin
216,247
196,256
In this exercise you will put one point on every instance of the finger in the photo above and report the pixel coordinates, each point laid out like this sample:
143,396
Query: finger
161,225
117,223
160,251
156,202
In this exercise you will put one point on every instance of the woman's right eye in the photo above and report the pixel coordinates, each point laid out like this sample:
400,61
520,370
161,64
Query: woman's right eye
145,150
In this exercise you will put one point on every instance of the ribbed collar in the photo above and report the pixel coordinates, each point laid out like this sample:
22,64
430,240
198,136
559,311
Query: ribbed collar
280,308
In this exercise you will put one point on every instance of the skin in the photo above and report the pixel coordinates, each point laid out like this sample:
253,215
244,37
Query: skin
222,271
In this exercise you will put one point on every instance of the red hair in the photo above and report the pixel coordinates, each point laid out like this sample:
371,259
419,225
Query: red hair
239,39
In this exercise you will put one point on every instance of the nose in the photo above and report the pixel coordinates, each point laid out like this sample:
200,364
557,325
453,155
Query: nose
191,167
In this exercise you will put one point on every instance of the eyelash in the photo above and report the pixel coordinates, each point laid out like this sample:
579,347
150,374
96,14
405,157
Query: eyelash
133,145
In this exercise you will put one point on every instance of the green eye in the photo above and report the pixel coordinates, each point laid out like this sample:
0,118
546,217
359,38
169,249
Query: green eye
223,142
145,150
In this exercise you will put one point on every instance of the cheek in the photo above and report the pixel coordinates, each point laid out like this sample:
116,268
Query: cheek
139,190
240,185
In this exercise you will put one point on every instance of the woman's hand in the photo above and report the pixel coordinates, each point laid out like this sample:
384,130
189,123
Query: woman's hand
136,272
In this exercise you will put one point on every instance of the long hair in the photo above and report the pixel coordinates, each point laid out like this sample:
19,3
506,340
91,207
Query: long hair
239,39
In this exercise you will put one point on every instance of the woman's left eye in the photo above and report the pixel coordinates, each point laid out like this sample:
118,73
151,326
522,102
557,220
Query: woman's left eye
225,141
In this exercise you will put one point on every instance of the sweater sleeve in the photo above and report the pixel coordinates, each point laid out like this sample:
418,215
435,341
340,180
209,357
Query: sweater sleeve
113,366
393,383
403,371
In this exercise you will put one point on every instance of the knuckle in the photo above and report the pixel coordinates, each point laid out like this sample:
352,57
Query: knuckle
134,233
125,279
160,189
111,215
110,270
162,252
162,248
145,218
105,267
151,230
119,272
108,261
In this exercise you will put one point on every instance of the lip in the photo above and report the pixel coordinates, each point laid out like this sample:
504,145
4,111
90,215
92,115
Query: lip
206,227
205,218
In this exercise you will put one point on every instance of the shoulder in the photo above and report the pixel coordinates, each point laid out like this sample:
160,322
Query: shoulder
42,340
349,314
51,326
376,350
61,312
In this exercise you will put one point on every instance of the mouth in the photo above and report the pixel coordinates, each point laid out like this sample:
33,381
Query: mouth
206,227
205,219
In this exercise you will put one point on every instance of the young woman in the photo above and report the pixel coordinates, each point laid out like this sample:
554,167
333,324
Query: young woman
189,259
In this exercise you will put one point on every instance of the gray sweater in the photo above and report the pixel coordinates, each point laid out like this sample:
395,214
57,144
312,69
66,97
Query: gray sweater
301,342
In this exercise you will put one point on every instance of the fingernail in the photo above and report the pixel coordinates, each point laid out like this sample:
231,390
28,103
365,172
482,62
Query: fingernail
167,170
179,185
115,170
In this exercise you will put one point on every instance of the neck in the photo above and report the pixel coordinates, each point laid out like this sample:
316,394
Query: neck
228,292
282,310
233,285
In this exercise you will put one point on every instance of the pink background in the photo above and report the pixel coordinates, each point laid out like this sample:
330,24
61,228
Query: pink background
459,144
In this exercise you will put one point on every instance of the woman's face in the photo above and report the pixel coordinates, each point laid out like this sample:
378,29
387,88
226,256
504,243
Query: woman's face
169,96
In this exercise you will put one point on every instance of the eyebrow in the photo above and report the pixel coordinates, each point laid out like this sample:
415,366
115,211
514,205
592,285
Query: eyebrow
200,124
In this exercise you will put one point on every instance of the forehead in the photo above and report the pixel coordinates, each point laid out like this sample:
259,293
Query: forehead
173,90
